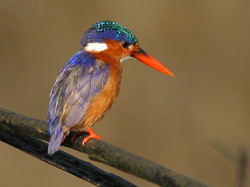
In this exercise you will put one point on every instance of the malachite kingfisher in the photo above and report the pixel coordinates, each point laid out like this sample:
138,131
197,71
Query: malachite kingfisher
88,84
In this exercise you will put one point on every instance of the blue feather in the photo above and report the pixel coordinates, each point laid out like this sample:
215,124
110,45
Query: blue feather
81,78
103,30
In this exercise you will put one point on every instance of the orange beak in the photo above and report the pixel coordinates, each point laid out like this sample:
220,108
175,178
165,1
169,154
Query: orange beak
150,61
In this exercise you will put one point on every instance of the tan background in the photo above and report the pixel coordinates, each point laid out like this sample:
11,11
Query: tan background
172,121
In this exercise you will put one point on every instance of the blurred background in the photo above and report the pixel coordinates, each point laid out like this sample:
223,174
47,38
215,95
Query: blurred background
196,123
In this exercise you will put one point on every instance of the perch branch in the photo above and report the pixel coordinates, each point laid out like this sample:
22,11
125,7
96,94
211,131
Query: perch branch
62,160
100,151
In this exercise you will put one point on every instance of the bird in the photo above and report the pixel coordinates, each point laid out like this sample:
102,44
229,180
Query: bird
89,83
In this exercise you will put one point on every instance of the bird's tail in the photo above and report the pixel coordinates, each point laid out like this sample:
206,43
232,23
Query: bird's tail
55,140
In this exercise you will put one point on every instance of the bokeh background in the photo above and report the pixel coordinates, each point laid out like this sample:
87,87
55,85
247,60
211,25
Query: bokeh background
195,123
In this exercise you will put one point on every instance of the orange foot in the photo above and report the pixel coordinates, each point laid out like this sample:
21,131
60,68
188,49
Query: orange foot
91,133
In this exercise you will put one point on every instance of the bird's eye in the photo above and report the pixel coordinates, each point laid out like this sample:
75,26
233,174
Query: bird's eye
125,44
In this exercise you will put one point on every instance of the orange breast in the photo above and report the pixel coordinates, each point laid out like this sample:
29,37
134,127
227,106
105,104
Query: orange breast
104,100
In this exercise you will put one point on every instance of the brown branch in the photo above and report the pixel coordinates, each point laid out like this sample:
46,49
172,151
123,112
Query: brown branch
241,159
62,160
243,164
100,151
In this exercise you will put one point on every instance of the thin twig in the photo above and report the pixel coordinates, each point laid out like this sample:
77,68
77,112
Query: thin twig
243,166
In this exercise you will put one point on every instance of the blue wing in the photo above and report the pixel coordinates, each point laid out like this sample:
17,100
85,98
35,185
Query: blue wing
81,79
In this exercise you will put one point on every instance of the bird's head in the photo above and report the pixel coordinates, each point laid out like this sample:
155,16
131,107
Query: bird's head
110,39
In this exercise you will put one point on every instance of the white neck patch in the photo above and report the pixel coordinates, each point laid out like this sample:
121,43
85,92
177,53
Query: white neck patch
125,58
95,47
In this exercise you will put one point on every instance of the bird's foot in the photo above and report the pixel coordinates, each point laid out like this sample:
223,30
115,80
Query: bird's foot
92,134
76,134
